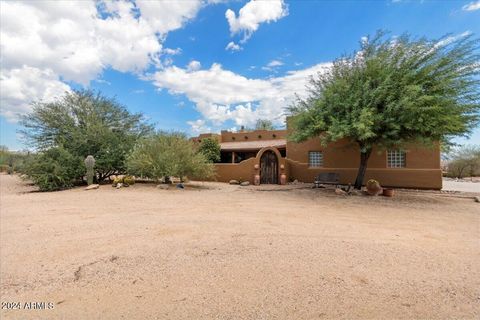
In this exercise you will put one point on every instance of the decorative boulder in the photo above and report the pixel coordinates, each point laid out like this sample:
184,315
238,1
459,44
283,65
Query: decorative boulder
163,186
245,183
119,185
477,199
180,186
234,182
340,192
92,187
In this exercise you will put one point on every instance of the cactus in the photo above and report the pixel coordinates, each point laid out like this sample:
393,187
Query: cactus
90,164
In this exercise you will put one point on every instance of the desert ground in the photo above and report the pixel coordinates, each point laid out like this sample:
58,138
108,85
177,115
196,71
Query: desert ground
216,251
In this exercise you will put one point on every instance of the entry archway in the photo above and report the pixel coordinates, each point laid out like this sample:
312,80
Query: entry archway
269,168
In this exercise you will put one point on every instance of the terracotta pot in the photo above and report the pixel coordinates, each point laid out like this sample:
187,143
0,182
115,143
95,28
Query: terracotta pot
256,179
388,192
283,179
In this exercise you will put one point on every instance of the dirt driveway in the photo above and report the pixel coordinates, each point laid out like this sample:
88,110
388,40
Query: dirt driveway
227,252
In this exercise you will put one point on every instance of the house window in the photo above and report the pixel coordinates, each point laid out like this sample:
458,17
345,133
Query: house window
395,159
315,159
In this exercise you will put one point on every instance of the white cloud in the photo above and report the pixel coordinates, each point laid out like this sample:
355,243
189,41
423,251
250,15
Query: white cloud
77,40
233,46
198,126
172,52
253,14
21,86
221,95
472,6
194,65
272,65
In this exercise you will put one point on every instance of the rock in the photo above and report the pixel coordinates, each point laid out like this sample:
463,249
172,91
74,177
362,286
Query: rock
295,181
180,186
340,192
163,186
234,182
92,187
245,183
119,185
477,199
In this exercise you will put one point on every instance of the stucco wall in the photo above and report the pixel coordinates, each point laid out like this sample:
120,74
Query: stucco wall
243,171
422,164
228,136
388,177
343,154
247,169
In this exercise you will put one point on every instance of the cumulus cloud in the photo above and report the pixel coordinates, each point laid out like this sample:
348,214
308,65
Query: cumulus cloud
232,46
472,6
194,65
21,86
198,126
76,41
253,14
221,95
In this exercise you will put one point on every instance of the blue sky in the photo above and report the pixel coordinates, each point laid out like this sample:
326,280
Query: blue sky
190,65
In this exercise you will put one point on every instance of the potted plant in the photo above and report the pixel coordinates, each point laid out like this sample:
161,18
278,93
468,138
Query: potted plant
388,192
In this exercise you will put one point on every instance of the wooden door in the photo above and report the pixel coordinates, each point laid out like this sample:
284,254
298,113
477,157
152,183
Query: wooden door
269,168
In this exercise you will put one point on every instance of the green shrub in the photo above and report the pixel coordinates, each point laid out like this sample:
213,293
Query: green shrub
54,169
168,155
210,148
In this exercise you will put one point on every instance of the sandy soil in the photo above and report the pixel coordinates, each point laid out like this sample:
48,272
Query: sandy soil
229,252
465,185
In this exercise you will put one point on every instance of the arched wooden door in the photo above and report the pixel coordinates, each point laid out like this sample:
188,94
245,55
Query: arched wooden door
269,168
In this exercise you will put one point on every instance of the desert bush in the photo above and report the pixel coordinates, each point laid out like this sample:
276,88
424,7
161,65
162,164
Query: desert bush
168,154
210,148
464,161
54,169
12,161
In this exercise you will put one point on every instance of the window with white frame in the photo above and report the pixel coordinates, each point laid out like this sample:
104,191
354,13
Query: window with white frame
395,159
315,159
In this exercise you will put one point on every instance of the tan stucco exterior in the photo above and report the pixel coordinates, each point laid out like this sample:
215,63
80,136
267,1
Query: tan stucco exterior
422,165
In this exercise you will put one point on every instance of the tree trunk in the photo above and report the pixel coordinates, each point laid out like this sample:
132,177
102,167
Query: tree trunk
364,155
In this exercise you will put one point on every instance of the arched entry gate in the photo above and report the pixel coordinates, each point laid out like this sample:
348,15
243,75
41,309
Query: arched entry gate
269,168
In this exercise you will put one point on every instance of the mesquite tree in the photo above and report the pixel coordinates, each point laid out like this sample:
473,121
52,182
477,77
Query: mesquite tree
86,122
391,92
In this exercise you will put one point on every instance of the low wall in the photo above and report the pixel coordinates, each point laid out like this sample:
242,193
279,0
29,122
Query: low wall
401,177
243,171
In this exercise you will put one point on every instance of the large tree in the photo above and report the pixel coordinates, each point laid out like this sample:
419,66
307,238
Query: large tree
86,123
393,91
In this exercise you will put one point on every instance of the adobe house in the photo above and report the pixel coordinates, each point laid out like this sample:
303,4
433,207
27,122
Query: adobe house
269,158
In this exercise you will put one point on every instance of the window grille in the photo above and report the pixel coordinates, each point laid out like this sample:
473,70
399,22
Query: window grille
315,159
395,159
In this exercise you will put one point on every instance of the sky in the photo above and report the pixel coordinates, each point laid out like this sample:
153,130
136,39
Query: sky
196,66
